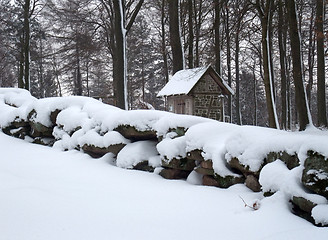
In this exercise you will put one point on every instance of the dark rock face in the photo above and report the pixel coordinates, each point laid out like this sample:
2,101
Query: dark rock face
97,152
180,164
170,173
303,207
210,181
253,183
195,155
235,164
144,166
291,161
228,181
315,173
133,134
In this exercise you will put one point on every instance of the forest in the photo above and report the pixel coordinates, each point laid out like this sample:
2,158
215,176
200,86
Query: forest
271,52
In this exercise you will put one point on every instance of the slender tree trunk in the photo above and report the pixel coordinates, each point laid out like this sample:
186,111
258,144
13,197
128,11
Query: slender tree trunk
238,114
310,61
283,72
301,100
321,94
198,16
228,39
255,96
164,53
175,37
21,64
27,44
191,35
217,36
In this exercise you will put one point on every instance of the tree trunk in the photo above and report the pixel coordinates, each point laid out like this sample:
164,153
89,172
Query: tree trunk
321,92
27,44
273,119
311,53
238,114
283,72
119,63
301,101
198,17
191,35
217,36
21,64
228,39
164,53
175,37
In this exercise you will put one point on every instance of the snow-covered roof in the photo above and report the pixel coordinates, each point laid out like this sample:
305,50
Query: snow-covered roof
184,80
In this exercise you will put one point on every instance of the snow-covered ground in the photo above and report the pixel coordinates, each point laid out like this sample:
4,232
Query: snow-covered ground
49,194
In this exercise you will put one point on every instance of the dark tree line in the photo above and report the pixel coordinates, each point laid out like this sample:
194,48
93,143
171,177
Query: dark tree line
271,52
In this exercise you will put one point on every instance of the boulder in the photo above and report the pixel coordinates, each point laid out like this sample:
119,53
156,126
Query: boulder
170,173
181,164
208,164
291,161
97,152
130,132
303,207
205,171
253,183
195,155
144,166
236,165
315,173
228,181
210,181
222,182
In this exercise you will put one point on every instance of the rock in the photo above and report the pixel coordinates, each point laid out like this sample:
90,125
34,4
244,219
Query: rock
130,132
170,173
195,155
210,181
303,207
222,182
208,164
235,164
205,171
291,161
40,130
253,183
97,152
181,164
315,173
144,166
44,141
228,181
53,116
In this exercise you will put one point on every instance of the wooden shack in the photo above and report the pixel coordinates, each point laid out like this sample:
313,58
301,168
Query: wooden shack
199,91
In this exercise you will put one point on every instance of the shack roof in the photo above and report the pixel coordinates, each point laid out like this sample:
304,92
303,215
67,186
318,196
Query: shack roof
183,81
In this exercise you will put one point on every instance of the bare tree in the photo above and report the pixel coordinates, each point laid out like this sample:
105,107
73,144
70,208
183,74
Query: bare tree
321,94
300,96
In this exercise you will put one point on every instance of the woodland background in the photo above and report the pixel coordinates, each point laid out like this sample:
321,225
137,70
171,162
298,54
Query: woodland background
93,47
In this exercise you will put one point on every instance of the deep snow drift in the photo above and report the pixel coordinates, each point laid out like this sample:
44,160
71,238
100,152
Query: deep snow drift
50,194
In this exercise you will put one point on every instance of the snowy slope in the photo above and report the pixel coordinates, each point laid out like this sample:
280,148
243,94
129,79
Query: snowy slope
50,194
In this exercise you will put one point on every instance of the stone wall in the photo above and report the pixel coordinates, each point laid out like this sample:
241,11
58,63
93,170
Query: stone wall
206,98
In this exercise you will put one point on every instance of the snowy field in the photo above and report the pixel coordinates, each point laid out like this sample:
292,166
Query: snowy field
50,194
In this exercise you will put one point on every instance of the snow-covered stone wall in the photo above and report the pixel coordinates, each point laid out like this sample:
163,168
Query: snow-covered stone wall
201,150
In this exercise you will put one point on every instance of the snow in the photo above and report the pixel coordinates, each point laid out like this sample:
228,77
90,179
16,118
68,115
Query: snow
47,193
138,152
184,80
50,194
